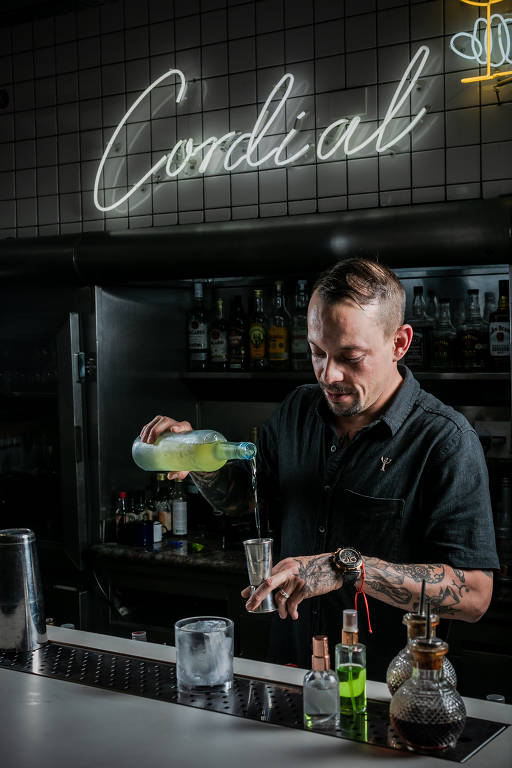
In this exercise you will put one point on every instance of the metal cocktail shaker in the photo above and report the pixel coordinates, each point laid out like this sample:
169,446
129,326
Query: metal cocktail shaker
22,617
258,553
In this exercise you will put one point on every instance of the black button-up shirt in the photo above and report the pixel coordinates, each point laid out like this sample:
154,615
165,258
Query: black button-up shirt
411,487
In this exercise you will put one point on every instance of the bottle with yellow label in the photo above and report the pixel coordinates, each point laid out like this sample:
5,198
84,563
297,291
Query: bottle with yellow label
279,332
258,359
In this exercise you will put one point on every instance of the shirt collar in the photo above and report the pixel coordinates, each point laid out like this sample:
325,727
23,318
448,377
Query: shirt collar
403,401
394,415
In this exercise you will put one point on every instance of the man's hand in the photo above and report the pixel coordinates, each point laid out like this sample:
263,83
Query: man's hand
298,577
156,427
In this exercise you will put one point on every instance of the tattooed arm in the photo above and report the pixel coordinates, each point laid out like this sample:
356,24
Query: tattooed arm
228,489
455,593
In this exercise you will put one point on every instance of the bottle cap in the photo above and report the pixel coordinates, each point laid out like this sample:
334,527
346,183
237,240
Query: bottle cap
140,634
320,660
198,290
495,697
350,620
122,494
161,476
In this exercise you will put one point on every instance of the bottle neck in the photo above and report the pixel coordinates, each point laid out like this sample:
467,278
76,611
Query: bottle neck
349,638
445,320
229,451
433,675
473,311
278,301
258,305
503,304
300,301
418,306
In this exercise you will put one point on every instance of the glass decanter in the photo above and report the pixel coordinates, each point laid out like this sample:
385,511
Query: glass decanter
426,711
400,668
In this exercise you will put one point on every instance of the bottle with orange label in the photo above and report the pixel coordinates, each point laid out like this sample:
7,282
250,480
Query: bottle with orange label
258,359
279,332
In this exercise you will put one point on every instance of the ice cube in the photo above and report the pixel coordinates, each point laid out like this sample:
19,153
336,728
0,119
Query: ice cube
205,626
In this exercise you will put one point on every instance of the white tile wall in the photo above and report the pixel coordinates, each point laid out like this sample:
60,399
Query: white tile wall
66,81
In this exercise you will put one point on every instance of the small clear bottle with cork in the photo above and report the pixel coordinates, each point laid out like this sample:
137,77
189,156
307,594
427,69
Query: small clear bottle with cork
401,667
351,666
427,711
320,687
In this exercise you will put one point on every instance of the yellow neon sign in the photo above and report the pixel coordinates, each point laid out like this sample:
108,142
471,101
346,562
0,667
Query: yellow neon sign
478,48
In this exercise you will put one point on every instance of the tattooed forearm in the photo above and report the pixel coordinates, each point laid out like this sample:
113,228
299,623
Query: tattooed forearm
227,490
453,591
318,575
397,595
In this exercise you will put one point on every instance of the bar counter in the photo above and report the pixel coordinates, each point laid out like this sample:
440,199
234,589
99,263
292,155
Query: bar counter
53,723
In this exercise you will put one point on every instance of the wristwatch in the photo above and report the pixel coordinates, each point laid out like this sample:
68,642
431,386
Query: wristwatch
348,562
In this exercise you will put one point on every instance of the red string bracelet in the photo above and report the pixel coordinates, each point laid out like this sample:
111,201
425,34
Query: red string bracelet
360,591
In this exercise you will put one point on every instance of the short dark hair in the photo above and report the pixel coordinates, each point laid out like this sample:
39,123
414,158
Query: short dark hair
365,282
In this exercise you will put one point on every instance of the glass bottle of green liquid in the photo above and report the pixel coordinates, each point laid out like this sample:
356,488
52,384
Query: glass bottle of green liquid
351,666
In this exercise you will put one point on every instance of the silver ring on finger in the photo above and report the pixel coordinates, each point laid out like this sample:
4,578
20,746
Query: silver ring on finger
284,594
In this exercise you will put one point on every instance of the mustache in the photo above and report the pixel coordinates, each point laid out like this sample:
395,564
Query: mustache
337,389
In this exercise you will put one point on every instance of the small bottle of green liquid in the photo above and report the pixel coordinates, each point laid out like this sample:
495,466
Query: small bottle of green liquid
351,667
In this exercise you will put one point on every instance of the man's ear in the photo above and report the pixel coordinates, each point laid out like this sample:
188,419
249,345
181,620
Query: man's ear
402,341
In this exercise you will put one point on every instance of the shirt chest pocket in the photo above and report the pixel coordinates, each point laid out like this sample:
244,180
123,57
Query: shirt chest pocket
370,524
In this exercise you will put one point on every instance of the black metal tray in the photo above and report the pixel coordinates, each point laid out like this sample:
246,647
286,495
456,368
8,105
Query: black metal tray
251,698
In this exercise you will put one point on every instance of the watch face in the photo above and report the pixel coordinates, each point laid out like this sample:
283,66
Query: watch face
350,557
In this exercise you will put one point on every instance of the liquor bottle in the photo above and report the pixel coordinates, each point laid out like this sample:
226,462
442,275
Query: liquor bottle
320,687
499,332
489,305
401,667
417,357
121,512
258,334
473,336
237,336
179,510
278,332
427,711
163,502
443,340
198,332
199,450
218,339
299,347
433,306
351,666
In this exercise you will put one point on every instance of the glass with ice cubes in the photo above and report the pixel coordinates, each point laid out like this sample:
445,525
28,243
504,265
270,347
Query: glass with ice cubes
204,654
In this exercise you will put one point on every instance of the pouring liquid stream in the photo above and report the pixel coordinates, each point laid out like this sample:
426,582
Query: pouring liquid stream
255,492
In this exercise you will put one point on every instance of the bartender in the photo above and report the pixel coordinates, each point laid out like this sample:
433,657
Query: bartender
376,483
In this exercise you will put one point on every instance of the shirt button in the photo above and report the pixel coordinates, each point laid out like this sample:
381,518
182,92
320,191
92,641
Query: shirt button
327,488
333,448
315,611
321,529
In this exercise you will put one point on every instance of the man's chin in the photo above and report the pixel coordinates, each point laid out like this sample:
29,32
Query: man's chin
340,409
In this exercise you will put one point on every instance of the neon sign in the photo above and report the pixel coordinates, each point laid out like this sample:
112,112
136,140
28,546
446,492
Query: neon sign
341,134
485,40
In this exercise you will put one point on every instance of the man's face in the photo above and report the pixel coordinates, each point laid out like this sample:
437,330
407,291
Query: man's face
352,358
